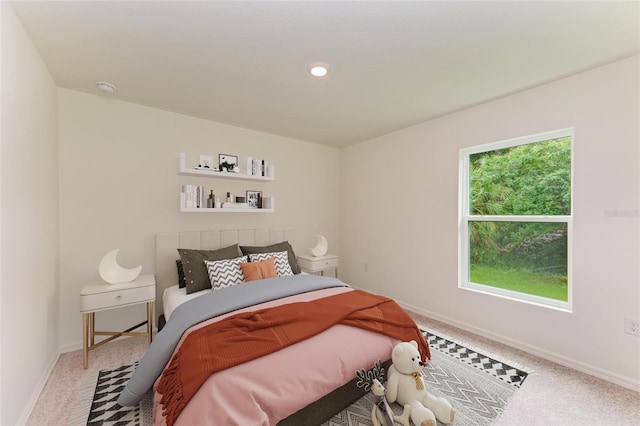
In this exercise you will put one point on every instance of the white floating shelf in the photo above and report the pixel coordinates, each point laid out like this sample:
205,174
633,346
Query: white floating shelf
269,200
224,175
206,210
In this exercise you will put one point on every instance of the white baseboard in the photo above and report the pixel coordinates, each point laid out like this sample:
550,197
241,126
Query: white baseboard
609,376
33,399
70,347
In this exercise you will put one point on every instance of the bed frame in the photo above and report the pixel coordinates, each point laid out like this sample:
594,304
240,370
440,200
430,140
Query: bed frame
167,275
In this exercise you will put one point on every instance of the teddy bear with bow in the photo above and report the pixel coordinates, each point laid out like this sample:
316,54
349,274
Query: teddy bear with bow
406,386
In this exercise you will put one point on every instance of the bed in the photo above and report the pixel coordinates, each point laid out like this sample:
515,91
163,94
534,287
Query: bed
299,339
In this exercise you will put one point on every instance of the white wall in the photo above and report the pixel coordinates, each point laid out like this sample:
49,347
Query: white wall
28,222
119,187
399,215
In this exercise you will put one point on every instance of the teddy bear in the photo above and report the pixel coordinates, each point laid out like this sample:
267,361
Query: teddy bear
406,386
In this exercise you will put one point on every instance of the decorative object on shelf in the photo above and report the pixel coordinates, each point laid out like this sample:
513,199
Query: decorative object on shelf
268,203
228,163
206,162
254,198
113,273
211,201
321,247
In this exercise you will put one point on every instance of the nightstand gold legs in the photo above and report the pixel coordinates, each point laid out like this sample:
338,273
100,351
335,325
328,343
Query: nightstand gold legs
336,274
89,332
92,325
85,336
150,322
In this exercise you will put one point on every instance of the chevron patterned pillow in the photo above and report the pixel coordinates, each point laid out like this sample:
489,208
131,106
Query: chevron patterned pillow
225,273
281,258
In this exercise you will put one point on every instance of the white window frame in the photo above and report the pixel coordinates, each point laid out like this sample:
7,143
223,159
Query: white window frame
464,218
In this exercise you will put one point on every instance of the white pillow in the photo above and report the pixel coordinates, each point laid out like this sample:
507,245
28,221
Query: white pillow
281,260
225,273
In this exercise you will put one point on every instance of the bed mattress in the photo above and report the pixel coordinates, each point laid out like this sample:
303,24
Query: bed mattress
173,296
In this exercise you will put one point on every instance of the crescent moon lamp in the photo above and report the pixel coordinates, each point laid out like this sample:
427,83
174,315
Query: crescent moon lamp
321,247
113,273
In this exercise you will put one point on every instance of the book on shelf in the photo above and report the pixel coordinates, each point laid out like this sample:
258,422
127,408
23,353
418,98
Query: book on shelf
259,167
194,197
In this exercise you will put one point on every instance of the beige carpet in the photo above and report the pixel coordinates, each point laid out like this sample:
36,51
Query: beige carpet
551,395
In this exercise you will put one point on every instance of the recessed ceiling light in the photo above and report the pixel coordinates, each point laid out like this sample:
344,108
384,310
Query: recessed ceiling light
105,87
318,69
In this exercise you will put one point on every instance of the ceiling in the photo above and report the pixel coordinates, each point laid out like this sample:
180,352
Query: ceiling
393,64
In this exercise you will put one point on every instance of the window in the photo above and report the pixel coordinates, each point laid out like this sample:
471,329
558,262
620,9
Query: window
515,219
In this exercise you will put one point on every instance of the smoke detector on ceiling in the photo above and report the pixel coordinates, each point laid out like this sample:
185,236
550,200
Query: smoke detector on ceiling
105,87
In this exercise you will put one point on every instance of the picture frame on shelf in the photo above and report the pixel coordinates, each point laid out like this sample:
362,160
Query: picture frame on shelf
254,198
228,163
206,162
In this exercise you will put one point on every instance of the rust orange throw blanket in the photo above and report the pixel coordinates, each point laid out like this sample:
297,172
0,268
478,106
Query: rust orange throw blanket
249,335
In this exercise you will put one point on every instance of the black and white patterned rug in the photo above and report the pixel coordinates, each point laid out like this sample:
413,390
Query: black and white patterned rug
501,370
97,401
477,385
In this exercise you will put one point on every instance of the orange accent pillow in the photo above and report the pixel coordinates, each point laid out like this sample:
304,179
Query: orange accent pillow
259,270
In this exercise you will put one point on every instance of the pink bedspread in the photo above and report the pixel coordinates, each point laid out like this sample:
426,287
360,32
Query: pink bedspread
269,389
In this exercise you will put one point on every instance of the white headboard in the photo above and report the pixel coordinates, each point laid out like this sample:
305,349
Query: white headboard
167,244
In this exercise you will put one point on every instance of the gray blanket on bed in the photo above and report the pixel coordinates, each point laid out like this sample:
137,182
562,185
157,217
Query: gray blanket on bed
208,306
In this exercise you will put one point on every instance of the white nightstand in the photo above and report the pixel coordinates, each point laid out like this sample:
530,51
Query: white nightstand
101,296
312,264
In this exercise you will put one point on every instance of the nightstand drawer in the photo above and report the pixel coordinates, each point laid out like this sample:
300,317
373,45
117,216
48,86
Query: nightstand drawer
116,298
326,263
318,263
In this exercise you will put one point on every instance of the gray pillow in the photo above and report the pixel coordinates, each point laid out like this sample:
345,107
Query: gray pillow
283,246
195,271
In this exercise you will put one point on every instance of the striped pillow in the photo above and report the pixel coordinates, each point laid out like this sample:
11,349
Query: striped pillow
281,258
225,273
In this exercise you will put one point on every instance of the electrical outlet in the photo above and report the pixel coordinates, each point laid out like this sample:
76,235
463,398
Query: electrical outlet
632,326
365,266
